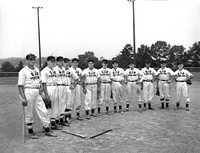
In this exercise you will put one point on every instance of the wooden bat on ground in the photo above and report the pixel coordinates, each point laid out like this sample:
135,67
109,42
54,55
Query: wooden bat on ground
96,135
24,126
75,134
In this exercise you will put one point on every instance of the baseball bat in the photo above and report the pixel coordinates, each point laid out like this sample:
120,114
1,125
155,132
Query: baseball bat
96,135
24,126
75,134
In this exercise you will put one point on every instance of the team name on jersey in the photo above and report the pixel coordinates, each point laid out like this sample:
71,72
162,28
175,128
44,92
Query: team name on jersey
181,74
52,74
116,73
77,72
61,73
104,73
91,74
35,75
68,74
132,73
148,72
163,72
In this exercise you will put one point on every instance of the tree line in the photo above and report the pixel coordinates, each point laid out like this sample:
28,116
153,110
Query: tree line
155,52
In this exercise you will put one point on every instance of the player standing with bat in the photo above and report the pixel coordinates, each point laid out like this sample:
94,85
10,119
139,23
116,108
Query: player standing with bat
29,90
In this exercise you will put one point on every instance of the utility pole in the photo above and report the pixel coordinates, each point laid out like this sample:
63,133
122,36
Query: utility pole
38,19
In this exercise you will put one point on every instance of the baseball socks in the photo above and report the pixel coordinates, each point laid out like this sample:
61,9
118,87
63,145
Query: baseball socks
120,108
127,107
115,109
145,105
187,107
167,103
48,132
177,106
78,116
99,111
162,103
149,106
140,108
62,121
87,114
93,113
31,132
107,110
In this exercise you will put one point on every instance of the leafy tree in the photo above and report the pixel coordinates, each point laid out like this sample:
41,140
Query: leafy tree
8,67
194,54
19,66
142,55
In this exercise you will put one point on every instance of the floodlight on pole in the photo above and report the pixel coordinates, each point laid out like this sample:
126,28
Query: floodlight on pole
38,20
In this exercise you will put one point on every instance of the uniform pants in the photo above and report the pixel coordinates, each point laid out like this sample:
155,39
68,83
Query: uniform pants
91,97
164,90
76,97
147,91
182,90
133,89
117,90
68,102
35,101
53,95
61,99
105,94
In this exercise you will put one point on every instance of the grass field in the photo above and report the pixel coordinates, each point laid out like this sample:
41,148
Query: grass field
159,131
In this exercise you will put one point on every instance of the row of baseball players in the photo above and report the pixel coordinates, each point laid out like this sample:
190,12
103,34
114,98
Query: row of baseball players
63,85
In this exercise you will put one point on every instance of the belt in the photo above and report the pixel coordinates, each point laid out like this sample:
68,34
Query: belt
180,81
31,87
164,80
148,80
106,82
61,85
116,81
91,83
133,81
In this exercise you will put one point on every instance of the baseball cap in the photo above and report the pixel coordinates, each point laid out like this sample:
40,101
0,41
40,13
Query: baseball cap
163,60
30,56
90,60
132,62
179,62
75,59
66,60
51,58
105,61
114,62
59,58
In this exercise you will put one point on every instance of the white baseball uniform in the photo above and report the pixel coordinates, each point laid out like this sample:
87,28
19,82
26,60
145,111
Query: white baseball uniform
60,81
147,79
48,76
69,76
117,77
164,87
181,85
133,76
105,78
76,93
30,79
91,78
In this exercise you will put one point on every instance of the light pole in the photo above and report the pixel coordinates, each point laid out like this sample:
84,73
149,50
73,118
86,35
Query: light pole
38,19
133,5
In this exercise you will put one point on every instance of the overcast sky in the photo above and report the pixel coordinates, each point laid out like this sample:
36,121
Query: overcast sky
72,27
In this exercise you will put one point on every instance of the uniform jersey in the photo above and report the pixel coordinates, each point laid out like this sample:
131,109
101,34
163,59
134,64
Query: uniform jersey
60,75
69,75
133,75
105,74
78,72
117,75
29,78
182,75
148,73
91,76
48,76
164,74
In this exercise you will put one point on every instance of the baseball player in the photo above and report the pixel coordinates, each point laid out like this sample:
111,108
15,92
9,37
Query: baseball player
60,81
48,78
147,80
164,79
69,76
105,79
76,92
117,76
132,78
181,76
91,85
28,85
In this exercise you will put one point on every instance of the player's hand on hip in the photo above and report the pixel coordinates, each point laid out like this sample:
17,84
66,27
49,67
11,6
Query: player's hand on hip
84,91
24,102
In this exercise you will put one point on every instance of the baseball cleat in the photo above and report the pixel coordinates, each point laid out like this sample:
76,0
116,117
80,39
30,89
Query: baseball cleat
79,118
50,134
176,108
108,113
140,110
94,115
187,109
65,124
57,127
88,117
33,136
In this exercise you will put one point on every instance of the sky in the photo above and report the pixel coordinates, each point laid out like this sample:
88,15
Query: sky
72,27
